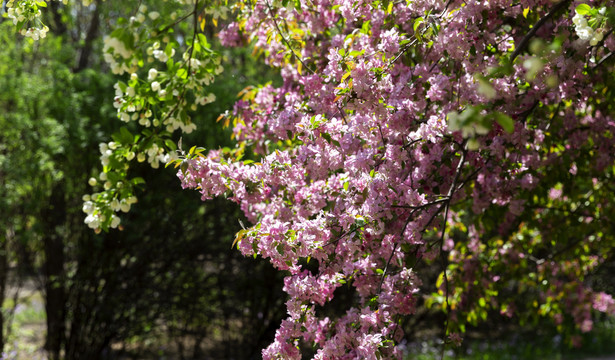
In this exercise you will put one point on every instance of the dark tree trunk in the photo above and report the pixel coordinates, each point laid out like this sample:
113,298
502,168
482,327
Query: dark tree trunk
86,50
58,27
55,298
6,233
3,280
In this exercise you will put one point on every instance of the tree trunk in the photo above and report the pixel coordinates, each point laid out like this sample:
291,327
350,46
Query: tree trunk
4,269
7,229
58,26
55,298
86,50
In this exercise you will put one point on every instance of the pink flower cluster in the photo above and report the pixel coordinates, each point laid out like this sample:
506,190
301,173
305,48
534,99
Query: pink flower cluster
360,173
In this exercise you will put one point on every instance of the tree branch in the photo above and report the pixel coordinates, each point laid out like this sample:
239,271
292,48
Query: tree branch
526,39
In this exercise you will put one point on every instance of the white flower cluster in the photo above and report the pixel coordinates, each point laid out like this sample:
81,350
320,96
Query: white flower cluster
140,17
156,155
160,55
106,150
94,218
586,32
23,12
203,100
173,124
35,33
122,205
114,49
205,78
118,100
152,74
133,106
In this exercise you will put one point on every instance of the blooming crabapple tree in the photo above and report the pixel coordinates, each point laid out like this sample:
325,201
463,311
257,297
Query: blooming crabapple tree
476,137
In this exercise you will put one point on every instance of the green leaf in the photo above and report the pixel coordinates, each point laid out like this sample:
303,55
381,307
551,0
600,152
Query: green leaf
138,180
175,163
505,121
280,249
366,27
122,85
485,88
417,23
203,40
356,53
170,144
125,136
583,9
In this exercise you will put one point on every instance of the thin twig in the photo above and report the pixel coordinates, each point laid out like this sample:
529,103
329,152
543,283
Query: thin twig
406,48
181,19
286,41
451,192
602,60
421,206
196,27
411,143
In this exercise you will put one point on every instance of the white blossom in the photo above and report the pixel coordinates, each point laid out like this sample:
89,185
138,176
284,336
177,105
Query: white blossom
151,74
